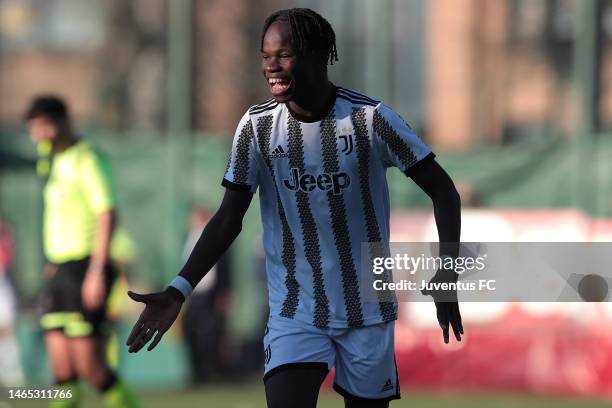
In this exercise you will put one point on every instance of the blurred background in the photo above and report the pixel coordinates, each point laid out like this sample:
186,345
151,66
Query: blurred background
515,97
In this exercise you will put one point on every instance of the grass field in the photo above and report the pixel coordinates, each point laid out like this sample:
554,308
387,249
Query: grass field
251,396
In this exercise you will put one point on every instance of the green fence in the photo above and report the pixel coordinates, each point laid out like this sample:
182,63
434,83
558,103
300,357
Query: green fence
158,179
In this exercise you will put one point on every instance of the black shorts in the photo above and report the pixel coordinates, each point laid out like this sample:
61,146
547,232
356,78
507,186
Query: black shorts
62,305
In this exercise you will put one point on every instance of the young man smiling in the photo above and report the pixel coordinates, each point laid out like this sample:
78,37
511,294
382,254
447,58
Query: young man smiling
318,154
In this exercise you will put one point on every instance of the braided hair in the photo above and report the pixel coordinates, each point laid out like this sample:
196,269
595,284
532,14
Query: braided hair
311,34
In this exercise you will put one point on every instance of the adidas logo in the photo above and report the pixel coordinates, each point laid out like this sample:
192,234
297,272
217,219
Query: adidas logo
268,355
278,153
388,386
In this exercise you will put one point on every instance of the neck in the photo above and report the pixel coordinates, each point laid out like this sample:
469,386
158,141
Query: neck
314,105
64,140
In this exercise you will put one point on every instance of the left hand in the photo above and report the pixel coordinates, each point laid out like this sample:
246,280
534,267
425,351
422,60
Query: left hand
93,289
447,306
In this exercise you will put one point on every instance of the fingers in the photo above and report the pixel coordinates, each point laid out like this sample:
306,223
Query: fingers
443,320
455,324
454,319
135,331
156,340
141,339
146,298
459,321
445,334
138,297
139,326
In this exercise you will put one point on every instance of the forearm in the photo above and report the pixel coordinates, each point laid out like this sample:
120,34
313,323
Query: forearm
104,233
447,213
438,185
216,238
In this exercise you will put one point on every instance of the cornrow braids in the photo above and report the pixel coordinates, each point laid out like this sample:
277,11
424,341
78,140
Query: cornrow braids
311,34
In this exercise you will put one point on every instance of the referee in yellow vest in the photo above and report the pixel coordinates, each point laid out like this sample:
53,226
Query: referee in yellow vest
79,217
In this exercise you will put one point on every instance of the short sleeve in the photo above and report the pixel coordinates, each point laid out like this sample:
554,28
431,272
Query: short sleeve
399,146
241,170
96,182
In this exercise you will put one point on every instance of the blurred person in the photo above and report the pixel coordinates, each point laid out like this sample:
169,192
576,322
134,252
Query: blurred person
79,218
206,310
319,155
470,195
10,366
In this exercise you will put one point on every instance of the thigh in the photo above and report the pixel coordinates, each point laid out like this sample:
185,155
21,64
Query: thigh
296,386
58,352
365,365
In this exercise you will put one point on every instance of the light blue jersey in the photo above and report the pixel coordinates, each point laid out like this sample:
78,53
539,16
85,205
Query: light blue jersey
323,192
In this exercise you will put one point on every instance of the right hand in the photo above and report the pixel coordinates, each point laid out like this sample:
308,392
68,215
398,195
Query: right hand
93,289
160,312
447,306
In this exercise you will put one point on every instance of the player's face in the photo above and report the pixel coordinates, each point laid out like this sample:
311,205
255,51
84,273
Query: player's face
279,64
42,128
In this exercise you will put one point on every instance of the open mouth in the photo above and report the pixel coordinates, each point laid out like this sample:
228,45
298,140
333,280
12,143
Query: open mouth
279,86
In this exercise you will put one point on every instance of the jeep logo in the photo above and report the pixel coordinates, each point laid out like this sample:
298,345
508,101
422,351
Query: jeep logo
307,182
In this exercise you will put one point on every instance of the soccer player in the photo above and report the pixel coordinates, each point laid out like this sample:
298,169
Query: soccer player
318,154
79,216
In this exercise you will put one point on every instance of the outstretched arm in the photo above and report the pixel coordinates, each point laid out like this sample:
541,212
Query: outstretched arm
162,308
437,184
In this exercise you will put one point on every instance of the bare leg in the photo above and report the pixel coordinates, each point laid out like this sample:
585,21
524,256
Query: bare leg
90,364
89,356
60,361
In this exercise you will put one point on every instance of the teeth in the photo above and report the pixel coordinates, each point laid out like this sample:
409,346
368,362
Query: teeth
274,80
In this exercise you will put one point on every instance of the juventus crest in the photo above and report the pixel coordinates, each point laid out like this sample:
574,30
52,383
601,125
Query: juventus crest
347,146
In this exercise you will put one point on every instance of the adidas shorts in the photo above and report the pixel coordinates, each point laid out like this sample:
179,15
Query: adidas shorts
363,357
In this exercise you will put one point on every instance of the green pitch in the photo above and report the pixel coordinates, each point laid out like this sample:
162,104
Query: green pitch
252,396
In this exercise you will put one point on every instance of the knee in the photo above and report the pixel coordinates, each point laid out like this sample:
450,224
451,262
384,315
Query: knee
62,370
94,374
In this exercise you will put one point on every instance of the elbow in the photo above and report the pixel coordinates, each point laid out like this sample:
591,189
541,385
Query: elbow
235,228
